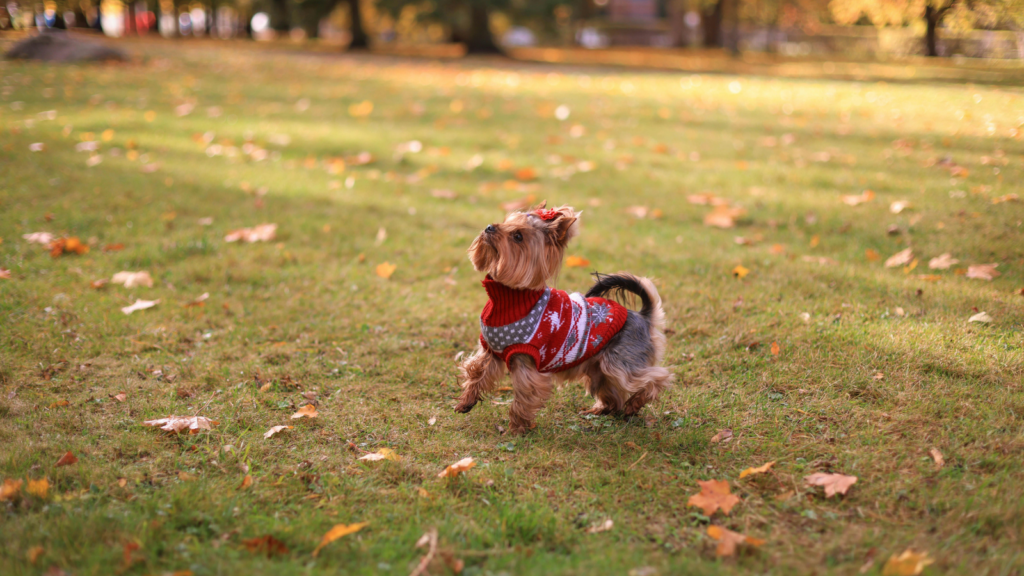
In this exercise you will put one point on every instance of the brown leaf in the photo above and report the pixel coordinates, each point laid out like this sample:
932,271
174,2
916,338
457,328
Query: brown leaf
983,271
274,430
10,489
942,262
729,541
723,436
338,531
67,459
246,482
775,348
602,527
723,216
34,553
909,563
139,305
382,454
937,457
307,411
759,470
258,233
713,495
5,274
900,258
857,199
833,483
121,397
265,545
458,468
180,423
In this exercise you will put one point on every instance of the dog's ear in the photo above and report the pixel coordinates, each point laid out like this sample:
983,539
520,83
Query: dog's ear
543,204
564,226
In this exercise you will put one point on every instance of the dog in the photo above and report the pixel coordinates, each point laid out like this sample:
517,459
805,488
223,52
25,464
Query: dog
538,332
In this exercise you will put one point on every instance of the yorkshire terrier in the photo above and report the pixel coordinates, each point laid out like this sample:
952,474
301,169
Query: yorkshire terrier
538,332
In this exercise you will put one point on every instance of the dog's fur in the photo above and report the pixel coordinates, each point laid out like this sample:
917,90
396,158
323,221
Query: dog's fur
525,252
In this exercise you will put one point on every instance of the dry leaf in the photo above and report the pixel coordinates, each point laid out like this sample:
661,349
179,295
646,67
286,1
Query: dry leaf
775,348
181,423
385,270
38,488
982,271
942,262
139,305
5,274
338,531
909,563
265,545
602,527
67,459
199,301
980,317
274,430
740,272
34,553
246,482
723,216
722,436
899,206
857,199
759,470
10,489
526,174
133,279
70,245
44,238
576,262
307,411
121,397
432,421
122,482
728,540
457,468
900,258
259,233
872,255
446,194
713,495
937,457
185,476
382,454
638,211
833,483
706,199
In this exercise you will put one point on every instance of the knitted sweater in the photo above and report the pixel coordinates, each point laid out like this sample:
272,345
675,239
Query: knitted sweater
557,329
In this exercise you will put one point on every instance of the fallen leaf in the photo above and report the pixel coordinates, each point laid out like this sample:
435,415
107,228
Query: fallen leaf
185,476
97,284
576,262
385,270
775,348
857,199
872,255
34,553
980,317
833,483
120,397
70,245
942,262
178,424
740,272
526,174
442,193
759,470
274,430
728,541
899,206
338,531
432,421
722,436
265,545
382,454
307,411
706,199
133,279
457,468
199,301
67,459
983,271
122,482
713,495
38,488
259,233
637,211
900,258
44,238
5,273
909,563
1005,198
723,216
139,305
602,527
246,482
937,457
823,260
10,489
113,247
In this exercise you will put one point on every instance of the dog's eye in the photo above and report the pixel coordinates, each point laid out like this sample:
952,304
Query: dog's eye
518,236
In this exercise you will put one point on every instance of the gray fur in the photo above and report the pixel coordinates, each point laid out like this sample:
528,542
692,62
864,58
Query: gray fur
631,347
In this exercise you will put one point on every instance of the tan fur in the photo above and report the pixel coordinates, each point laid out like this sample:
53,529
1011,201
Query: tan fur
525,252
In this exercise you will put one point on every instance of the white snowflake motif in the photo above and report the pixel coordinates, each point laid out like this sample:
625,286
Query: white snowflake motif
600,313
555,320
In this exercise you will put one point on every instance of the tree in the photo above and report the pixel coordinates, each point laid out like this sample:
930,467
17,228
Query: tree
355,16
469,20
898,12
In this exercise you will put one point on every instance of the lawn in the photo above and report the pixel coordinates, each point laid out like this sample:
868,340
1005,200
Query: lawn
787,331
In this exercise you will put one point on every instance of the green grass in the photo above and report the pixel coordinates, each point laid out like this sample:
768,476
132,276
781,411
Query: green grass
379,354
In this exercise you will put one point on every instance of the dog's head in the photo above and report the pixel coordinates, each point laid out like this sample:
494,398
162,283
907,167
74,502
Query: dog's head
526,249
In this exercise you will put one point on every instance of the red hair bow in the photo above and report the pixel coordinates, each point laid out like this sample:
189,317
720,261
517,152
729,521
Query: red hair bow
547,214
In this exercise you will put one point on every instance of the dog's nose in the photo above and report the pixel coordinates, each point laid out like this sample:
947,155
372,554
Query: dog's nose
490,229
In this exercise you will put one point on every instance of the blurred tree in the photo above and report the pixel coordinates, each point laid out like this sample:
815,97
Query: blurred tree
964,13
355,17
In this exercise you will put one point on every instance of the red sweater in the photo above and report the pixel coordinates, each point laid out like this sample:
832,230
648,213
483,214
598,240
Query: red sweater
557,329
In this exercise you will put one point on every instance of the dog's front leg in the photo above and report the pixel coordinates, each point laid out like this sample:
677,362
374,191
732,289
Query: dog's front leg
479,375
530,390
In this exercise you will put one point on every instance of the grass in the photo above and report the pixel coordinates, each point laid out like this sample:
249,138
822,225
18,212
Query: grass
306,313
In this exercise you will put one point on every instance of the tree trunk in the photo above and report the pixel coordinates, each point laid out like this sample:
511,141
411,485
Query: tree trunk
931,40
279,17
734,33
480,40
677,23
711,21
355,14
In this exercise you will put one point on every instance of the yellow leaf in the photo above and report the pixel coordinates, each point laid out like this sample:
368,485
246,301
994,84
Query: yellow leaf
307,411
338,531
714,495
759,470
382,454
385,270
576,262
740,272
457,468
246,482
10,489
909,563
815,240
38,488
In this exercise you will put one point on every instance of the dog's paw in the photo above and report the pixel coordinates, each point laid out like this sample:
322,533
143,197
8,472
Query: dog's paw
464,407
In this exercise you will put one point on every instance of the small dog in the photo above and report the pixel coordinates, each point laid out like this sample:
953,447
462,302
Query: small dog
536,331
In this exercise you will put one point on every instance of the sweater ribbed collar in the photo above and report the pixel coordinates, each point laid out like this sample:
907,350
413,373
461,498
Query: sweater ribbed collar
506,305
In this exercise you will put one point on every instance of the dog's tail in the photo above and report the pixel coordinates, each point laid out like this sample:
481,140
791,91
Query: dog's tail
617,285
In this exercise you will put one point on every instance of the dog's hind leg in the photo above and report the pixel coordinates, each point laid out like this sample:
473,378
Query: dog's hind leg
530,390
480,373
648,383
608,399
